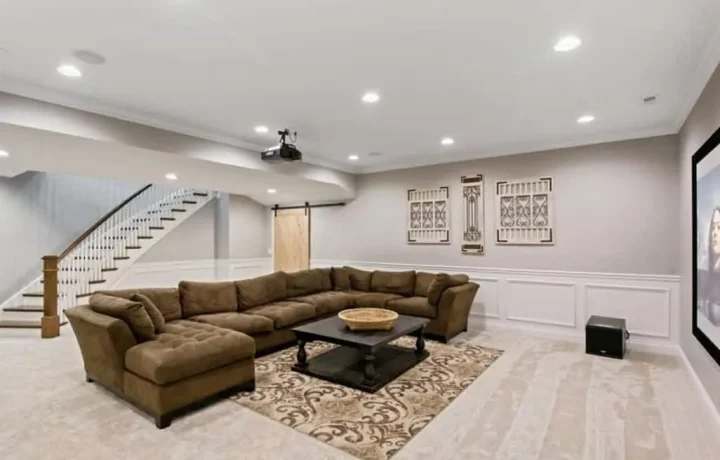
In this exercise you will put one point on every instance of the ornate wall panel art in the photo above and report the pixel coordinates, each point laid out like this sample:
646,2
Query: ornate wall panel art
428,216
525,211
473,214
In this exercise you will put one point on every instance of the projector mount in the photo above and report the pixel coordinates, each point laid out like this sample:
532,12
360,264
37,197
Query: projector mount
286,133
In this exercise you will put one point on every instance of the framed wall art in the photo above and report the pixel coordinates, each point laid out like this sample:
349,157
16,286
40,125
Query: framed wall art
428,216
473,194
525,211
706,245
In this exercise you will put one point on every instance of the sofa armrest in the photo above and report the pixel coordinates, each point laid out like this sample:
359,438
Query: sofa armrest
103,342
454,307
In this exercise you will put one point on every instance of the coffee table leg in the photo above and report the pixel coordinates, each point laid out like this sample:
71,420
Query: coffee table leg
420,342
369,370
301,354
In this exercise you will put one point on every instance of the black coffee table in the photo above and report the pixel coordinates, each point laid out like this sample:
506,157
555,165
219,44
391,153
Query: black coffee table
364,360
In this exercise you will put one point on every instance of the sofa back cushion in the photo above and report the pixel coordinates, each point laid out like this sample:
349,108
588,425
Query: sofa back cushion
401,283
359,279
441,282
202,298
132,313
167,300
341,279
422,283
306,282
152,310
261,290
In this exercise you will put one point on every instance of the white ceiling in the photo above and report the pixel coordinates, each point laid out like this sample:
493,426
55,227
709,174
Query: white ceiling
482,72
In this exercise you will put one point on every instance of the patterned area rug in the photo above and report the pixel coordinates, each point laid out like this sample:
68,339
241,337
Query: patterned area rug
368,426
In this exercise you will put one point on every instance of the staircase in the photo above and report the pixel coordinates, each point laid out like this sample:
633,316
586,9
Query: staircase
99,257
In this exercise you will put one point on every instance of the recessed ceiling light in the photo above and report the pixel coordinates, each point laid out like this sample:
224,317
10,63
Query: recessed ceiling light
272,190
261,129
585,119
353,157
567,43
69,71
4,154
447,141
171,176
370,97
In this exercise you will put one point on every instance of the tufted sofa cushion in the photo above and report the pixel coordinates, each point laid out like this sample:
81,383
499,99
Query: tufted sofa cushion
186,348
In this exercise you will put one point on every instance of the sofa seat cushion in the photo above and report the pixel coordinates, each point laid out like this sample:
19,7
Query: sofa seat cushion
373,299
247,324
284,313
187,348
328,302
414,306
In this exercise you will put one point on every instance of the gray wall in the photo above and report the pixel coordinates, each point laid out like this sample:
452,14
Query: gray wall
249,228
194,239
702,122
42,213
614,211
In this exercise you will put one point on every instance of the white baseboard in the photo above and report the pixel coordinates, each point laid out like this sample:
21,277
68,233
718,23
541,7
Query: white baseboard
704,395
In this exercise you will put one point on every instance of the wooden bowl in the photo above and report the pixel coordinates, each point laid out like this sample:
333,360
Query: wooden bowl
369,319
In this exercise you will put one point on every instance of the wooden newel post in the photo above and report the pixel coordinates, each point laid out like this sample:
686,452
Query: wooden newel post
50,323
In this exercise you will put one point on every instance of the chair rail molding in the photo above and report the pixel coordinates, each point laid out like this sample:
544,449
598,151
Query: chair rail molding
558,303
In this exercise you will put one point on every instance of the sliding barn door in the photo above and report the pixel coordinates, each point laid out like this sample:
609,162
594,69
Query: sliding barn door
291,239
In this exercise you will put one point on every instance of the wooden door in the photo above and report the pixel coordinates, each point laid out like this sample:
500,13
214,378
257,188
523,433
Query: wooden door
291,239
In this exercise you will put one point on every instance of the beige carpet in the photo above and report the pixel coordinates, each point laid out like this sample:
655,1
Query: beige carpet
369,426
542,399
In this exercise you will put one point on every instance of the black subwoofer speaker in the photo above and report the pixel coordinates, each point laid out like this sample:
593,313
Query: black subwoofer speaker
606,336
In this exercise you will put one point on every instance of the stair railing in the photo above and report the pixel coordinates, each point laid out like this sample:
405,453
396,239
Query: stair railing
70,275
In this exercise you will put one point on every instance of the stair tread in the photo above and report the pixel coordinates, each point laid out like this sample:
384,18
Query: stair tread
200,194
189,202
167,218
121,258
23,323
24,308
156,228
178,210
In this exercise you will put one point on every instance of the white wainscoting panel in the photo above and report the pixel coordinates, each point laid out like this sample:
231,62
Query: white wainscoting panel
647,309
543,302
558,303
487,300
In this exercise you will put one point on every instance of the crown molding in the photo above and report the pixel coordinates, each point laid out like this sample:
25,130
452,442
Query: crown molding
520,148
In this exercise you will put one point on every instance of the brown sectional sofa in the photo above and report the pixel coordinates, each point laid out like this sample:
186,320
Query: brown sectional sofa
210,332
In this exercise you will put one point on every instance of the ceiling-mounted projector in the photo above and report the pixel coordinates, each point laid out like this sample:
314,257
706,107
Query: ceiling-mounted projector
283,151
